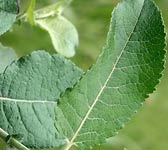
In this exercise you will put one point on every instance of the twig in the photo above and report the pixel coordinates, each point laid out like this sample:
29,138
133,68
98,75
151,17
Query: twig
13,142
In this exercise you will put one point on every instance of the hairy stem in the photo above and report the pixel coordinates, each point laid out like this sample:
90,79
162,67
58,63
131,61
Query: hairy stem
12,141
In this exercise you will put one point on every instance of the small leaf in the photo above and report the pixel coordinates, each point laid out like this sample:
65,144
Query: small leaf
63,34
29,90
30,12
8,12
124,75
7,55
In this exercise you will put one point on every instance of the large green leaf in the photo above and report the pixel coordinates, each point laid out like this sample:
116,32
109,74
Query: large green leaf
7,55
29,90
8,12
122,78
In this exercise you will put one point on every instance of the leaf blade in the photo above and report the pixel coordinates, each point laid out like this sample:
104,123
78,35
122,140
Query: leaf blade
122,80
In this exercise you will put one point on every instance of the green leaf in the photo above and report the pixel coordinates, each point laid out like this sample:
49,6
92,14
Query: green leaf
29,90
122,78
8,12
63,34
30,12
7,55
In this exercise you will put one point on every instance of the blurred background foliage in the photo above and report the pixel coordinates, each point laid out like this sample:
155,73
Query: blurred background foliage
148,130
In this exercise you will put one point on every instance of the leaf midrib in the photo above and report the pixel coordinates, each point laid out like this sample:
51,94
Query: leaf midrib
70,143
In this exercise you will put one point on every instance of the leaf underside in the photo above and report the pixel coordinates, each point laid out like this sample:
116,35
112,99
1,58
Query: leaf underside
29,91
122,78
8,12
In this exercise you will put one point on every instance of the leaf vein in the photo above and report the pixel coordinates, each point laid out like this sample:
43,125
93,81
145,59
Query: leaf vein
5,99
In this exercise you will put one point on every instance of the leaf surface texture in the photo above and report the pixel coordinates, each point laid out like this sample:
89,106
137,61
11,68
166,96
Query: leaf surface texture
124,75
29,91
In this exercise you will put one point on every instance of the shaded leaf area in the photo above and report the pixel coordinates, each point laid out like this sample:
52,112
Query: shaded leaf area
29,91
123,76
7,55
8,12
